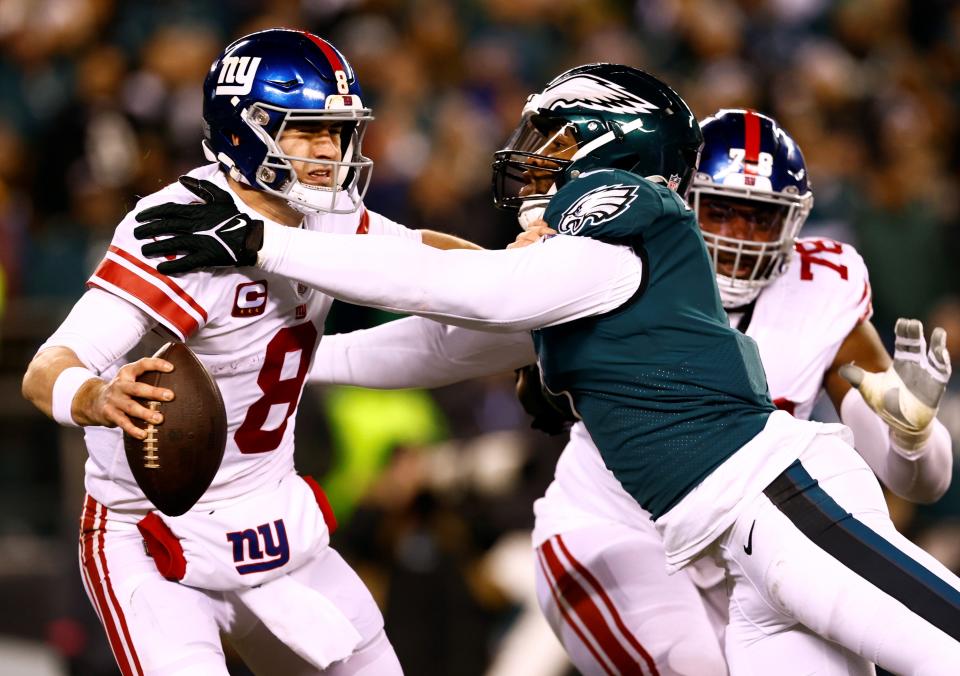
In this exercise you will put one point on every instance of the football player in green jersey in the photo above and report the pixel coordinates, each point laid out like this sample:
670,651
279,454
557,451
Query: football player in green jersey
628,323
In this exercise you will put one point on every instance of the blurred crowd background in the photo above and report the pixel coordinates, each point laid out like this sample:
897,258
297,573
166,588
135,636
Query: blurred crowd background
101,104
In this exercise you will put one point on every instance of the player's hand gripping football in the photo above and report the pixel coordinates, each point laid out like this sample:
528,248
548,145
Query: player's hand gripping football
907,395
124,398
213,233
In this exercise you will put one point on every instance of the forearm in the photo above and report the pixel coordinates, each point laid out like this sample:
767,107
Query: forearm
922,477
416,352
42,374
99,330
443,240
505,291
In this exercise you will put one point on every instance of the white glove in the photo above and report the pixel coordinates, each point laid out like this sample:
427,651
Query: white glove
907,395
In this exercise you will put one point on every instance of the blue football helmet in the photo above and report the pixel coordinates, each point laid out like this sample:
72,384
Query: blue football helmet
267,81
596,116
749,163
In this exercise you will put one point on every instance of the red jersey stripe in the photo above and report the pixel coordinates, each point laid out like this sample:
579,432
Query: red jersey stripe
867,296
751,142
562,605
163,278
159,302
602,593
364,227
583,603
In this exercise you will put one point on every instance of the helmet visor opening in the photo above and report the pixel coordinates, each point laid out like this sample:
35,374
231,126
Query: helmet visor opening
324,182
538,151
745,237
747,219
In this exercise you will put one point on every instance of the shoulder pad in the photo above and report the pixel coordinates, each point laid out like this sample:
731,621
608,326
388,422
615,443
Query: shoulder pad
834,273
604,204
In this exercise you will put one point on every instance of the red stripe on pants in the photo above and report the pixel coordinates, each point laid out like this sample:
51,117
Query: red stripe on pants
583,603
98,585
562,605
601,592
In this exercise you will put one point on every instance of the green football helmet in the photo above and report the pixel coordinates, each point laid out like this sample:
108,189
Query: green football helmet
597,116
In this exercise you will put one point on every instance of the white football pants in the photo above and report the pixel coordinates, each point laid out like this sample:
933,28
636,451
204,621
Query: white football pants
817,554
159,627
606,594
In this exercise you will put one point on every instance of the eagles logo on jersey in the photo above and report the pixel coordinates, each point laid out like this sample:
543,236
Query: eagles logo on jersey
597,206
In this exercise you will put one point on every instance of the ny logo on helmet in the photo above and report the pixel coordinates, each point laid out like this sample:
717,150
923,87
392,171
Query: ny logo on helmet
236,75
597,206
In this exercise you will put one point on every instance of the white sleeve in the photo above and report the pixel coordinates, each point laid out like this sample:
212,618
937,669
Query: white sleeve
381,225
416,352
100,329
923,478
553,281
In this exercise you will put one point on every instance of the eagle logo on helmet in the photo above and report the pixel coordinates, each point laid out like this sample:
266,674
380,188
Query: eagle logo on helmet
597,206
594,93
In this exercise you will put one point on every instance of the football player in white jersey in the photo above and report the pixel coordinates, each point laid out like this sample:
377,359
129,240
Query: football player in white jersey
627,321
283,124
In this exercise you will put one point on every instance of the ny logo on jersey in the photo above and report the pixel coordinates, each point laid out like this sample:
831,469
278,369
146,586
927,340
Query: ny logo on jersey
236,75
274,552
597,206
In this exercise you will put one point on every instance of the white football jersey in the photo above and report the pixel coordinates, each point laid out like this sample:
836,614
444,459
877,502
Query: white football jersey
799,322
255,332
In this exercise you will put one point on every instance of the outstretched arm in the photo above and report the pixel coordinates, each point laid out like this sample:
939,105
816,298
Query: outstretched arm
444,240
920,473
552,282
416,352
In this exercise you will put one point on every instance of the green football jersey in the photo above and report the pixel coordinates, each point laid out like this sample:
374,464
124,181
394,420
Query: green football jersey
666,388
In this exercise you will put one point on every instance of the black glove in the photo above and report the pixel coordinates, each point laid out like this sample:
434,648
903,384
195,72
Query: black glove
551,414
211,234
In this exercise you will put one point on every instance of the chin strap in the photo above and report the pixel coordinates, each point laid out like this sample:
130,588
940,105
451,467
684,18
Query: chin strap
534,207
531,212
733,298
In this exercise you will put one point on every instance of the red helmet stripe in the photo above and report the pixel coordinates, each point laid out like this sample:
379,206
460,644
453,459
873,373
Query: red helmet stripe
328,51
751,142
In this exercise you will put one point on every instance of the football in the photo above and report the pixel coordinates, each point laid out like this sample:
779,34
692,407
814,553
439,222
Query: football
177,461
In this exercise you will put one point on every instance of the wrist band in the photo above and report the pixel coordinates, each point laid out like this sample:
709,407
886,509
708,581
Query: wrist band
65,389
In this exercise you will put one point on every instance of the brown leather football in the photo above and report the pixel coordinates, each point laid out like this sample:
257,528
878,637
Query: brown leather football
177,461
